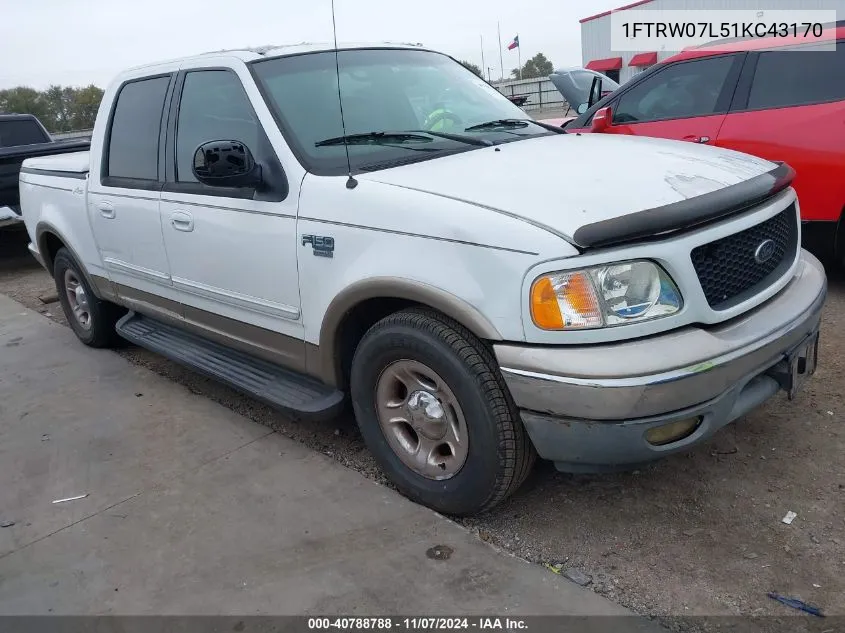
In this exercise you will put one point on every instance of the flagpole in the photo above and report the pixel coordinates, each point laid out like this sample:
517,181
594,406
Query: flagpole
519,53
501,61
483,65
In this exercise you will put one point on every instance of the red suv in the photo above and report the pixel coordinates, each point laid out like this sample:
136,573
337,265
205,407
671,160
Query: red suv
761,97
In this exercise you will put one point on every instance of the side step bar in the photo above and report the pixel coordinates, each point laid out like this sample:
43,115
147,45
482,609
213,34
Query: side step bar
295,394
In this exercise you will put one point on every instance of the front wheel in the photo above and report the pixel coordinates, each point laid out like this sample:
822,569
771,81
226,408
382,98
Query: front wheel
91,319
434,411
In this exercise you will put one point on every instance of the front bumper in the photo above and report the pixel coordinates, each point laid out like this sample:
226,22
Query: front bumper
588,407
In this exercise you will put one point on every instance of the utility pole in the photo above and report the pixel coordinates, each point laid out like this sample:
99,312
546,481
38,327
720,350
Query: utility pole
501,61
482,54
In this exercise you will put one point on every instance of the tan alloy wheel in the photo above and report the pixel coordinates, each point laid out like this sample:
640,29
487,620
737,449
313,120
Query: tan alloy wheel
78,300
421,419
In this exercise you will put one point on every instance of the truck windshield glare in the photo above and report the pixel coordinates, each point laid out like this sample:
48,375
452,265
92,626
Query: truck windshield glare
381,89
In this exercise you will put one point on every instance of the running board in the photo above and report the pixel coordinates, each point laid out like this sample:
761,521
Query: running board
297,395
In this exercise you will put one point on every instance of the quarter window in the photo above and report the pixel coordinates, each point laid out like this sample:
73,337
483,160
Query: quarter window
686,89
133,140
792,78
214,107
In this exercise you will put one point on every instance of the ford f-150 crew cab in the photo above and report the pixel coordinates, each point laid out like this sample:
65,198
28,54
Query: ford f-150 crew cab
380,223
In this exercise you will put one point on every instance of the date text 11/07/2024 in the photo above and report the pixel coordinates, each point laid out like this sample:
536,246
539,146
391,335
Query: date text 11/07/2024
416,623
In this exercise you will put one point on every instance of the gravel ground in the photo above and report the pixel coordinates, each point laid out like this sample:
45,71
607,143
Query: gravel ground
695,534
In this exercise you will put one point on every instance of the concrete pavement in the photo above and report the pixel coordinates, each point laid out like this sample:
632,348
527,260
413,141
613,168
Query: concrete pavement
192,509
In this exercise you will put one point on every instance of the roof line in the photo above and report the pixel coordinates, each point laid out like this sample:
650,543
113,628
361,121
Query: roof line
604,13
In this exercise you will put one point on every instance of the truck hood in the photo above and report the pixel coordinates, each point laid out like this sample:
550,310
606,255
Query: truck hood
569,182
575,84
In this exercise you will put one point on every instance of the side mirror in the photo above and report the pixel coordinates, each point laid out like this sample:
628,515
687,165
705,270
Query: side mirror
601,120
226,164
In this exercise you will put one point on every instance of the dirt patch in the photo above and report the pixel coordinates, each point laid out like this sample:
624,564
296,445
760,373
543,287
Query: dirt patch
695,534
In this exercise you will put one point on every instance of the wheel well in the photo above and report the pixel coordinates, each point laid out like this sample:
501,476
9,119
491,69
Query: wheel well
355,324
50,245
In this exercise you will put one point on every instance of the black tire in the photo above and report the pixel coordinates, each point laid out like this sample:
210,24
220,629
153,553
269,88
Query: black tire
103,314
500,454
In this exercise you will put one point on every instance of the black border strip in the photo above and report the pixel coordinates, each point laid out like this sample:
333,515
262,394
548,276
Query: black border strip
80,175
685,214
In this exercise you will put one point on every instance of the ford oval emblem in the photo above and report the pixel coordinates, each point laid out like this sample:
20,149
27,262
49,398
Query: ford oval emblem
764,251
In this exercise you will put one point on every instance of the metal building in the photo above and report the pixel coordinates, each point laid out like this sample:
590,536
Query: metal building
620,66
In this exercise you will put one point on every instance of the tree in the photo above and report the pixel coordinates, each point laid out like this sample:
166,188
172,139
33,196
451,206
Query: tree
22,100
86,102
472,67
58,103
59,108
537,66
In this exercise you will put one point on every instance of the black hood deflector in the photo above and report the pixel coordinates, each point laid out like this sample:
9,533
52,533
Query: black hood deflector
685,214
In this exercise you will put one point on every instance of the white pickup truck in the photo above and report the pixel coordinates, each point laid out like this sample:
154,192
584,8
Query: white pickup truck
380,223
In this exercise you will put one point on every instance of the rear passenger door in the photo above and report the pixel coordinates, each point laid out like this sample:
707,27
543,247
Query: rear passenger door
790,106
232,251
123,200
685,101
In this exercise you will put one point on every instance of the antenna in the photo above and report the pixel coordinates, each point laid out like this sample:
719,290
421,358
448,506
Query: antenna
351,183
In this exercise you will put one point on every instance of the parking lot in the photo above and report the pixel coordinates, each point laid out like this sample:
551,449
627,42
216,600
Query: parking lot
700,533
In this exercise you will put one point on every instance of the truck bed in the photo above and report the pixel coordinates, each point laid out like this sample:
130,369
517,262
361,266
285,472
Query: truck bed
11,159
71,163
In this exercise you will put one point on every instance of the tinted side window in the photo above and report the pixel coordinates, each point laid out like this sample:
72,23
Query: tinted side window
686,89
214,107
133,140
787,78
20,132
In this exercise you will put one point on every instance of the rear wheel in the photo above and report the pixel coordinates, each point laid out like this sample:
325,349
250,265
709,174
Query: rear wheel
434,410
91,319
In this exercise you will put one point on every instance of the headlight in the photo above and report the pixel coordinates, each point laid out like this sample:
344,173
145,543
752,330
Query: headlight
625,292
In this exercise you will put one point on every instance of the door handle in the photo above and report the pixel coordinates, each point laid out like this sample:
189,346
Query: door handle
106,210
182,221
697,139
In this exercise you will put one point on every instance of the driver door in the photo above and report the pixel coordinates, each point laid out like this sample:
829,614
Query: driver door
685,101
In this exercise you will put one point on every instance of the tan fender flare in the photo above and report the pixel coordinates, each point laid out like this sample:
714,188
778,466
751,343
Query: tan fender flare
392,288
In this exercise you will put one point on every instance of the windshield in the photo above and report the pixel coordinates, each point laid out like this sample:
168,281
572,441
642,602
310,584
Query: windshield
385,91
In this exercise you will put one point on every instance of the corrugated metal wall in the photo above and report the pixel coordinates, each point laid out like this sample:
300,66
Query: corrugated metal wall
595,34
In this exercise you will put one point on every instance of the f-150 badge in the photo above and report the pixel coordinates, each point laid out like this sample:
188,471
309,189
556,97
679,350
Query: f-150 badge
322,246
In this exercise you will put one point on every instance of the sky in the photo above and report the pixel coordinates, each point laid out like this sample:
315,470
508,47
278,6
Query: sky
79,42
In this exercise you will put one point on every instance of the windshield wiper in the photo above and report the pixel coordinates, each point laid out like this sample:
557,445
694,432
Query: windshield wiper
506,123
387,137
460,138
